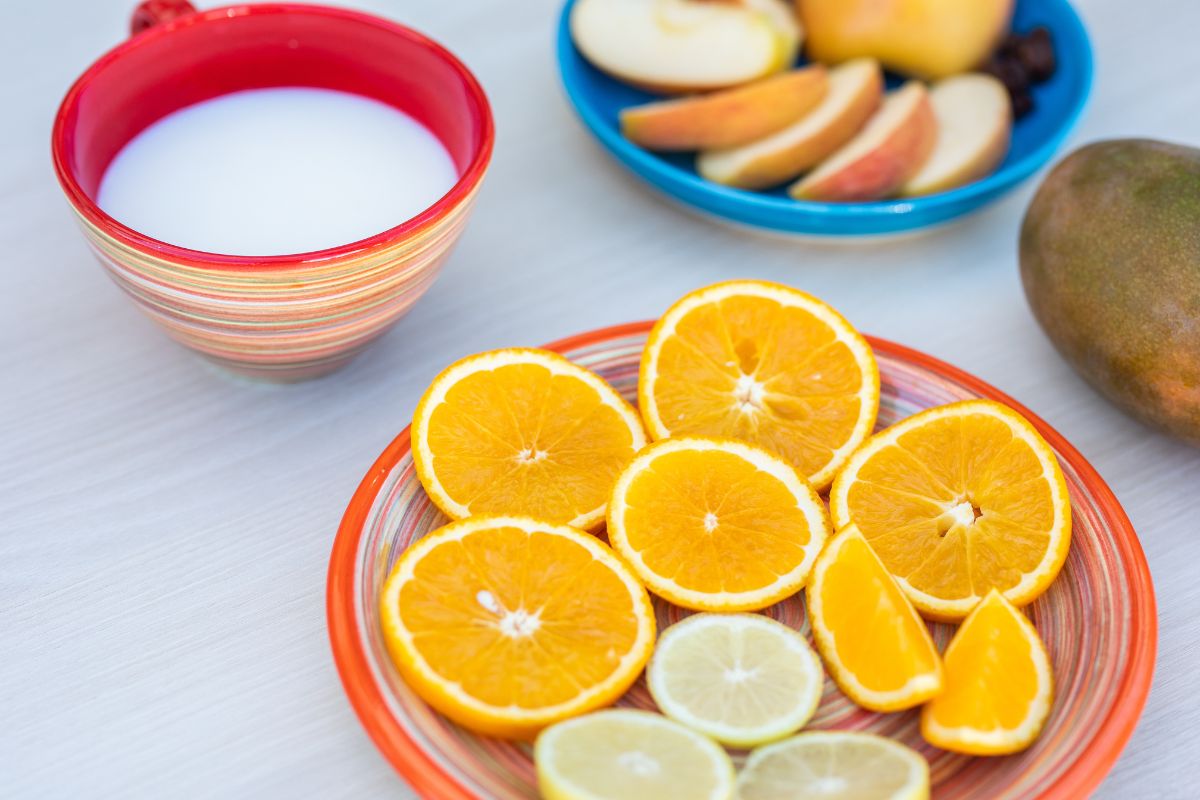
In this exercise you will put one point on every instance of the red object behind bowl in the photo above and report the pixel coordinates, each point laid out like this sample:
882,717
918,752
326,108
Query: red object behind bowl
155,12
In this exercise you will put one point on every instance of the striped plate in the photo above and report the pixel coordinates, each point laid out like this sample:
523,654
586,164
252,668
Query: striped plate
1098,619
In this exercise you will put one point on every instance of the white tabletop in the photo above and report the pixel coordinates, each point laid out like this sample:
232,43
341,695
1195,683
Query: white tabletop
165,529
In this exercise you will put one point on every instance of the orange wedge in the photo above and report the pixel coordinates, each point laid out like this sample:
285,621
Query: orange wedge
956,501
715,524
507,624
999,685
523,431
763,363
875,647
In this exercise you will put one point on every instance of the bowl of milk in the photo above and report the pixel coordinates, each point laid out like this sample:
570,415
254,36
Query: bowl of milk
275,185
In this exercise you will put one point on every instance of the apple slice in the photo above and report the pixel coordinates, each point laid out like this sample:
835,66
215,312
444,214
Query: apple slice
974,118
892,147
686,45
855,89
726,118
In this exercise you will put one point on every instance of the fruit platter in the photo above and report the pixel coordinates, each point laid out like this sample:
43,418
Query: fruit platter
827,117
940,596
742,535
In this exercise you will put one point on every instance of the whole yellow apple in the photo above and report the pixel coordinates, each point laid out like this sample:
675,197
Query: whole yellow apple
925,38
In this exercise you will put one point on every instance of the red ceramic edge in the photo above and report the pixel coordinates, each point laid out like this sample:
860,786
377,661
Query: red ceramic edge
88,208
424,775
149,13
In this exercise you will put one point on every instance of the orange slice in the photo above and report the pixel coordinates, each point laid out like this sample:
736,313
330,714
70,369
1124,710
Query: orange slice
875,647
523,431
763,363
956,501
716,525
507,624
999,686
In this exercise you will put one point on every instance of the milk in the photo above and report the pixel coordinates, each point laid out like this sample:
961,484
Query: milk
276,171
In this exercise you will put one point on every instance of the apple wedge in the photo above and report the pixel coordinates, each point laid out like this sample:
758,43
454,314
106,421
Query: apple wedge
892,147
855,90
672,46
974,121
726,118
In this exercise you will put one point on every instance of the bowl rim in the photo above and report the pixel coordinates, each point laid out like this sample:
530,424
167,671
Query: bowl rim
430,780
86,207
669,178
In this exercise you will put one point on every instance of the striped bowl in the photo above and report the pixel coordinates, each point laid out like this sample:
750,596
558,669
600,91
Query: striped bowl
1098,619
285,317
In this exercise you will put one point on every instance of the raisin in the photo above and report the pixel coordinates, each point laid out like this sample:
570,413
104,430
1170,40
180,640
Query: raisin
1010,43
1036,54
1009,71
1022,104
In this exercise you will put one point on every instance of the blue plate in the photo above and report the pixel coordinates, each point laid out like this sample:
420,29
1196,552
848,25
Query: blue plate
1058,103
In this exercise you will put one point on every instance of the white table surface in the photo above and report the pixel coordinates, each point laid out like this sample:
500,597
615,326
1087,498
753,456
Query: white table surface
165,530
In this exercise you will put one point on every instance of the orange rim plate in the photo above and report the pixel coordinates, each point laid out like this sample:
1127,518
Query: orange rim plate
1098,620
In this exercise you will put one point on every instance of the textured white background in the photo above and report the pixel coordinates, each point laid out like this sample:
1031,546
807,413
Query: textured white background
164,530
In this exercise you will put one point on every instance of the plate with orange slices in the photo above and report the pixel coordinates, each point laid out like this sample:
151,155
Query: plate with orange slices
505,566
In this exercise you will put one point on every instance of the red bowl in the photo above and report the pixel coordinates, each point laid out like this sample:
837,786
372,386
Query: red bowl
1097,619
280,316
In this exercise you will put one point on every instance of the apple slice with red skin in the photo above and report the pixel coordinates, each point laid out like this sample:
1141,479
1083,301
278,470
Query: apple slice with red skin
726,118
886,153
855,90
974,118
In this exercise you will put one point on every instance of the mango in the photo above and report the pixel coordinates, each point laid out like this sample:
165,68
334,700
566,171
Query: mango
1110,261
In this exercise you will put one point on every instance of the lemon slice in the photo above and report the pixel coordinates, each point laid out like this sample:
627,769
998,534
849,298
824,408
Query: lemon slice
630,755
834,765
999,685
743,679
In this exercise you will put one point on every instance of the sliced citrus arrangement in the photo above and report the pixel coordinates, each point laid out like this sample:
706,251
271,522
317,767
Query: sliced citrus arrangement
742,679
507,624
834,765
630,755
875,647
523,431
514,622
716,525
956,501
999,686
763,363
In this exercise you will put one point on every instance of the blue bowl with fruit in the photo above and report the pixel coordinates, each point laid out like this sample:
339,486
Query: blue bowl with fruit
828,117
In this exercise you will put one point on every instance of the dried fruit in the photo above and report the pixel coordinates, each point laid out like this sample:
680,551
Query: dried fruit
1036,53
1020,62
